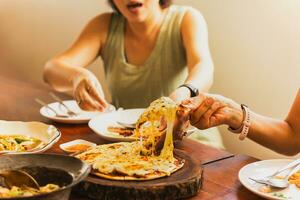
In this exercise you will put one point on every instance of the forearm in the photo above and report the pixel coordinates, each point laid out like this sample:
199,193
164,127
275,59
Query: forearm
277,135
61,76
201,76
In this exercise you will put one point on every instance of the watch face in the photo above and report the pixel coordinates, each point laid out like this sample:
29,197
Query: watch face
196,92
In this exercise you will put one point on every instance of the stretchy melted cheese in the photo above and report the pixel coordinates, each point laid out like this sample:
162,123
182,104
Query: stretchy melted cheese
151,125
136,160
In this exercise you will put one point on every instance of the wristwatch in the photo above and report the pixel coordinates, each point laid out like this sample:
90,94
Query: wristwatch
194,91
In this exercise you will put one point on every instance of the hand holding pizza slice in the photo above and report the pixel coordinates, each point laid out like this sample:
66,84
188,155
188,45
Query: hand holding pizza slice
152,125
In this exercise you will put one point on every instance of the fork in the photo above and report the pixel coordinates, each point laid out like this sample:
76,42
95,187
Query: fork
47,106
69,111
290,165
277,183
293,167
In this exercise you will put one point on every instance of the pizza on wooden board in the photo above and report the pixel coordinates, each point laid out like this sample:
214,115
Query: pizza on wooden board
138,160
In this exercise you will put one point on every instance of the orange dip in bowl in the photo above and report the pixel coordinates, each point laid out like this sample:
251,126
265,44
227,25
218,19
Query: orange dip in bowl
77,147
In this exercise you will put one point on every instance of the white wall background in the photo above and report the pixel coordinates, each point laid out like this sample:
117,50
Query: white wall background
255,46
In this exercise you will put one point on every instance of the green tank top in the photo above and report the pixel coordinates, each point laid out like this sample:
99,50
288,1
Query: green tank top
164,70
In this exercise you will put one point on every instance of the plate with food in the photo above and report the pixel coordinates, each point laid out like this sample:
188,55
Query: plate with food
18,137
119,126
110,125
69,112
53,175
260,170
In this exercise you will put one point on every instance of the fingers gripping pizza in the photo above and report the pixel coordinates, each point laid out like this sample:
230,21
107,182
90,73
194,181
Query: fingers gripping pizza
138,160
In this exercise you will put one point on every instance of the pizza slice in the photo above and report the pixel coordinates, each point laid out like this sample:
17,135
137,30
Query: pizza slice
137,160
156,121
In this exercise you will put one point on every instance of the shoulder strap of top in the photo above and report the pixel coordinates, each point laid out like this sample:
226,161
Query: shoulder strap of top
115,32
178,13
171,43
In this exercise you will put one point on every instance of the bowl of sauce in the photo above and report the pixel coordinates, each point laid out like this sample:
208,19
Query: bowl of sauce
76,146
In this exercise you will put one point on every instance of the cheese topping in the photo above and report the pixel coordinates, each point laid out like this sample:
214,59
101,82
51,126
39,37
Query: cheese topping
151,126
124,158
137,159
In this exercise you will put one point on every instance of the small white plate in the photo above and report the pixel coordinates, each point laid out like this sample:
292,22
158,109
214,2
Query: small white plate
66,145
81,118
100,123
262,169
48,134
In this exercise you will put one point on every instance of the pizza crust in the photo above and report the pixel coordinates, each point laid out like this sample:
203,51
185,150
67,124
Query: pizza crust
133,178
137,161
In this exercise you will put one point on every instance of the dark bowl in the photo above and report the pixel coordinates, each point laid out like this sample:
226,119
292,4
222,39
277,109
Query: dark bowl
65,171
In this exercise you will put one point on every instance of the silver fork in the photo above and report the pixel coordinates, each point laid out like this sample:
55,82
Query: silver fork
48,107
69,111
275,182
293,167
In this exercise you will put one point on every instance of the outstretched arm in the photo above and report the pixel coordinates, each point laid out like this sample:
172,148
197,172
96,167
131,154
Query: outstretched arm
282,136
66,72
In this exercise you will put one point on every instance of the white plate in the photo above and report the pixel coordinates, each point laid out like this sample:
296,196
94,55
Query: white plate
44,132
100,123
262,169
81,118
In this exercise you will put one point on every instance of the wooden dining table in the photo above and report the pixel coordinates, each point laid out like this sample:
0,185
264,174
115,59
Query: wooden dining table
220,176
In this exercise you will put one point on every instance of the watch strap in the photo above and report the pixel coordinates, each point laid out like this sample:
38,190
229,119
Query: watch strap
244,128
193,90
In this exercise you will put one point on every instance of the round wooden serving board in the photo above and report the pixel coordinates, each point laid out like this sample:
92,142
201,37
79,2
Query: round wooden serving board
183,183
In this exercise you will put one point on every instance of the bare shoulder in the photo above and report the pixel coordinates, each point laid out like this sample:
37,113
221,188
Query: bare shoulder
293,116
99,25
101,21
194,29
297,101
193,19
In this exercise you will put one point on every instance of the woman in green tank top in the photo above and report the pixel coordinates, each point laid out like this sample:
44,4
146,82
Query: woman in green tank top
149,48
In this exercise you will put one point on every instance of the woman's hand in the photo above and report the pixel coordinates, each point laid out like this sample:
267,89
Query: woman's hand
88,93
207,110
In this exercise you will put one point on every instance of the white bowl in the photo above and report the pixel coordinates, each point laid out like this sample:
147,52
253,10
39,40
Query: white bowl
65,146
48,134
